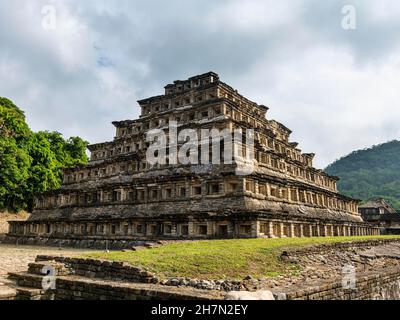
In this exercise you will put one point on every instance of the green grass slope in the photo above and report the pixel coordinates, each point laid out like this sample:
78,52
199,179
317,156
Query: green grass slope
221,259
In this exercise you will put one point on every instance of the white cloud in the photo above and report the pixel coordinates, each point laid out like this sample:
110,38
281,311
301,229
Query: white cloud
333,105
254,16
337,90
383,10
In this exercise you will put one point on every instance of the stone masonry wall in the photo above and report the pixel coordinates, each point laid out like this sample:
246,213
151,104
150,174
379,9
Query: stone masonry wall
378,286
376,271
68,289
101,244
92,268
325,248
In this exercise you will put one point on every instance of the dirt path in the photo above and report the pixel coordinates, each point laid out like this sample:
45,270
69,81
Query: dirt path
16,258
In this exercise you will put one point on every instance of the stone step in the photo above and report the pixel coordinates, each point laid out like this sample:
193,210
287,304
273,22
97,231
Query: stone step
27,280
7,293
78,288
28,287
23,293
29,293
48,268
72,287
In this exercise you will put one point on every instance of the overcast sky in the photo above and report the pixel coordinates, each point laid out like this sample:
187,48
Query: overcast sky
337,89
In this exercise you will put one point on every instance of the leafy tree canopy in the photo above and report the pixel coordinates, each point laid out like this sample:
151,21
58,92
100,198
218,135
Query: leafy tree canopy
31,162
370,173
12,121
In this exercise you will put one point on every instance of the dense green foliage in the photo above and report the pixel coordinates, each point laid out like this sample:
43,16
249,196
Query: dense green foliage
31,162
370,173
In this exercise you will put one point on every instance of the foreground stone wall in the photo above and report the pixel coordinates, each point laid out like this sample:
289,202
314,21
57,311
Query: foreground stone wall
93,268
68,289
383,285
88,279
339,246
378,286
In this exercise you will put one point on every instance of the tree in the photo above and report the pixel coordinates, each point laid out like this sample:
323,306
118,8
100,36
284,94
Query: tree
31,162
14,158
14,174
12,121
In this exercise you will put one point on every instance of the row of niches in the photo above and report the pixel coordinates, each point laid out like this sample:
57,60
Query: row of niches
265,159
134,144
181,86
196,189
195,115
267,229
141,194
206,113
298,195
296,171
219,90
181,101
139,229
183,95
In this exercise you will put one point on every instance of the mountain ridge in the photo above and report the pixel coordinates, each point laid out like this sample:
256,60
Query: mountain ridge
370,173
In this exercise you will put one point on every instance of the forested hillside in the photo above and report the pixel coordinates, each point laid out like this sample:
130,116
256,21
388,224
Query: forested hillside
31,162
370,173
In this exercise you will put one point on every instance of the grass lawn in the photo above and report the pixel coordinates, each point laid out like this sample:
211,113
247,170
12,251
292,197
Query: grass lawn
221,259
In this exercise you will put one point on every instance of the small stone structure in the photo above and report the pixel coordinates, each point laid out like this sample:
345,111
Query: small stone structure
121,198
373,209
381,214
